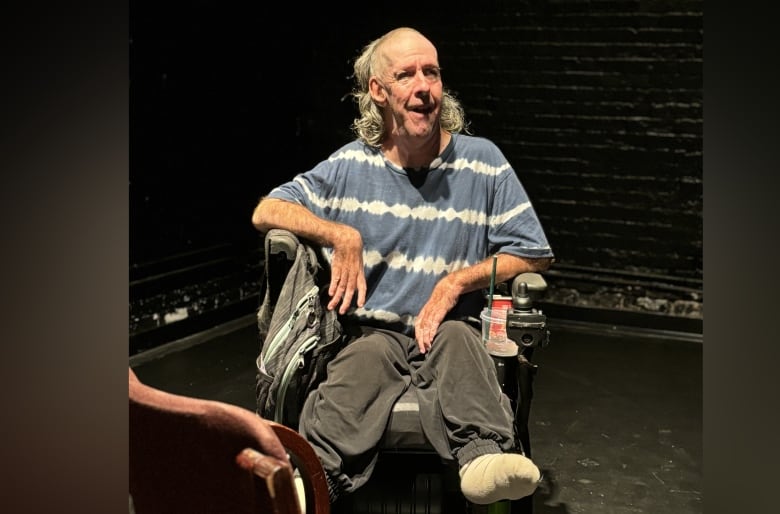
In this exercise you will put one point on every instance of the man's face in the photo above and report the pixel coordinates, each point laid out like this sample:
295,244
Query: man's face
410,85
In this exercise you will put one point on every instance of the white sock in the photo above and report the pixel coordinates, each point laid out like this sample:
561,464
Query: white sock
301,490
498,476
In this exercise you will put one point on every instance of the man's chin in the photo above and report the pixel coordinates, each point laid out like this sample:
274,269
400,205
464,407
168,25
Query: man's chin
421,130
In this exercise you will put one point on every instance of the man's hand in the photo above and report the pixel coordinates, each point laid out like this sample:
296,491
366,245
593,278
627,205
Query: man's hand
449,289
444,297
346,269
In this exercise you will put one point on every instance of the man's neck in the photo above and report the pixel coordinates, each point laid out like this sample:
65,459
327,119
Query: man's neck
415,157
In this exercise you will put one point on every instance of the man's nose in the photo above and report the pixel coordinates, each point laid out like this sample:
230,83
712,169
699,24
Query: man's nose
423,94
421,81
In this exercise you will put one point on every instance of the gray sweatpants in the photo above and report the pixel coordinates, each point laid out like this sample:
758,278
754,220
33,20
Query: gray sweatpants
463,411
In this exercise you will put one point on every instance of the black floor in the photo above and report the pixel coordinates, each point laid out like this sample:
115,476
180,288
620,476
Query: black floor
616,422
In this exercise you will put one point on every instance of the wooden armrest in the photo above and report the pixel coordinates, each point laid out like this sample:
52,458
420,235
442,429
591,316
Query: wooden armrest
308,464
278,477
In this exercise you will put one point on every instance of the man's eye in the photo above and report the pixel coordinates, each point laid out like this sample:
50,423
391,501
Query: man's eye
405,78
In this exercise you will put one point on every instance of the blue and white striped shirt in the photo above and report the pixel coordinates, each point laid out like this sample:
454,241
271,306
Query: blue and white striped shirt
471,205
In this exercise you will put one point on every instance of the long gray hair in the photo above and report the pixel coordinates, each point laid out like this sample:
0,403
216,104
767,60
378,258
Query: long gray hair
370,126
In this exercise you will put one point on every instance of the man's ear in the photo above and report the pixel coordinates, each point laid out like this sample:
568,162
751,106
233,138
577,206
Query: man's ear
377,91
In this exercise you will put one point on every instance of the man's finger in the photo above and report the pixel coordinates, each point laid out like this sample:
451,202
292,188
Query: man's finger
346,301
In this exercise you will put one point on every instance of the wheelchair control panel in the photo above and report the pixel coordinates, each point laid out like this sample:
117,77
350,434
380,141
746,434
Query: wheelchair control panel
525,325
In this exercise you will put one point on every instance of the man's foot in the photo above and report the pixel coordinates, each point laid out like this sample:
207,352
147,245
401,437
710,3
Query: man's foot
498,476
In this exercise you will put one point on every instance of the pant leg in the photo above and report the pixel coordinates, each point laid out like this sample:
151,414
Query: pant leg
346,416
463,411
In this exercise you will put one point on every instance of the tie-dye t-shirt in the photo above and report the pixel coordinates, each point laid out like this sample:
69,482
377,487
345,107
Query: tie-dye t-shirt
470,206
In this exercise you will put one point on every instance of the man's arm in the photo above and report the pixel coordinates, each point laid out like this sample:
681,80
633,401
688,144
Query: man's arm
450,288
347,264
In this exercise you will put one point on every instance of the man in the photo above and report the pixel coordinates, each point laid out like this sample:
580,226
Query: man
409,216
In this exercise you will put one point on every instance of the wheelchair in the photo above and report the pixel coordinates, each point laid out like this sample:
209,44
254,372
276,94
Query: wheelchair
410,477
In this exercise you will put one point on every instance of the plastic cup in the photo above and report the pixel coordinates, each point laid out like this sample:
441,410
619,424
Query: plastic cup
494,333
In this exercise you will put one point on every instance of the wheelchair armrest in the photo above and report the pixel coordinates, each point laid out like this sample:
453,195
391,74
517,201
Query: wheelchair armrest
280,241
534,281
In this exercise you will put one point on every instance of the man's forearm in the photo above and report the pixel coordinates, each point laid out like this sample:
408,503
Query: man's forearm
275,213
507,266
346,267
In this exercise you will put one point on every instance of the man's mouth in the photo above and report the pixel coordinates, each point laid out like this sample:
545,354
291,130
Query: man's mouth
422,109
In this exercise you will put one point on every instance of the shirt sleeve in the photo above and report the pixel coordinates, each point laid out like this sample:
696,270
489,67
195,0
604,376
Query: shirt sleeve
514,225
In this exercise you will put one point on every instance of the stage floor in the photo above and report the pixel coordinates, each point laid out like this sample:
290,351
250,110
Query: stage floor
616,420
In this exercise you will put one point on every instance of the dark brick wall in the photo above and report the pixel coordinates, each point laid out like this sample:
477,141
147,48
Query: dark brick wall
598,105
